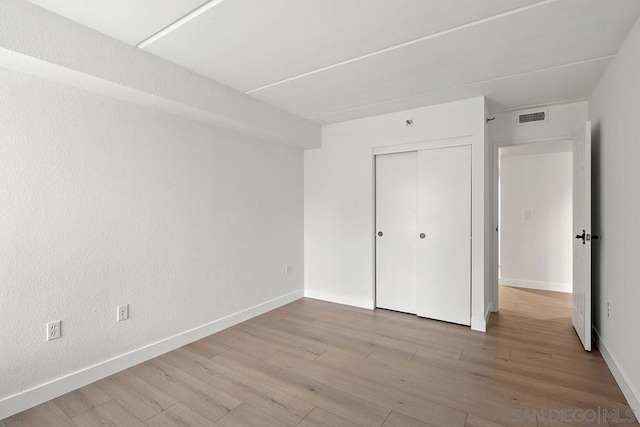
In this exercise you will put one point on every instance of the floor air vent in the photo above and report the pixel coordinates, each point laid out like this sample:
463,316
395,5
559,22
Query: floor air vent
538,116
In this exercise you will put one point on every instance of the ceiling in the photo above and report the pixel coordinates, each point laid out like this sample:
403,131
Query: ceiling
335,60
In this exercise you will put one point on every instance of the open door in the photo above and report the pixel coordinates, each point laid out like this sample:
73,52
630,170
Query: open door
582,241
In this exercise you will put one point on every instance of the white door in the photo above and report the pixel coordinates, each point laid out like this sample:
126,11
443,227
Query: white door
444,234
396,229
582,241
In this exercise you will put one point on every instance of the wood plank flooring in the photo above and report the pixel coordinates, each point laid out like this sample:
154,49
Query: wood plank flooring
314,363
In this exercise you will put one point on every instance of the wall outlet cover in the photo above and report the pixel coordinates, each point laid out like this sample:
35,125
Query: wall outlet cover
54,330
123,312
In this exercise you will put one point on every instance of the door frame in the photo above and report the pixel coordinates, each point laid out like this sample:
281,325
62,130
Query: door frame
495,159
403,148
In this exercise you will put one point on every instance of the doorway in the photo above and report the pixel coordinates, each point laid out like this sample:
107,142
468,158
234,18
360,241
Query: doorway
534,225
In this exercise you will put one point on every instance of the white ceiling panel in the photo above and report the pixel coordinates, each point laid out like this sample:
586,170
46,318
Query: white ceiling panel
541,38
130,21
247,43
335,60
558,85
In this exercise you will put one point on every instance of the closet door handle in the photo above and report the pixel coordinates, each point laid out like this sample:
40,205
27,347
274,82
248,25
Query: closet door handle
380,233
422,235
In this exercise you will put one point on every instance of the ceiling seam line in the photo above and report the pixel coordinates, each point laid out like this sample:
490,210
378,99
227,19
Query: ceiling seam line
541,70
178,23
405,44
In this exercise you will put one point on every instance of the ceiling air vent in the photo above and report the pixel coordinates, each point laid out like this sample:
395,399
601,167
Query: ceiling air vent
536,116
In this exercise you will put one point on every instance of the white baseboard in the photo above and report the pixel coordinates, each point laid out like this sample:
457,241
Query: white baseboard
339,298
480,324
29,398
628,389
542,286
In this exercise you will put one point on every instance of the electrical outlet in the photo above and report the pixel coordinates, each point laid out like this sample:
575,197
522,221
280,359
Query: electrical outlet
608,309
123,312
54,330
287,270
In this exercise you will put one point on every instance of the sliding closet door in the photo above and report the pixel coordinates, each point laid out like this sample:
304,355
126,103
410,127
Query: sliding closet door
396,228
444,230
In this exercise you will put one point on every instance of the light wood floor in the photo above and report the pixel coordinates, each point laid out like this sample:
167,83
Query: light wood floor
313,363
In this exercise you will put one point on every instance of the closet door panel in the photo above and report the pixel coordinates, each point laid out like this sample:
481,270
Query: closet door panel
444,216
396,220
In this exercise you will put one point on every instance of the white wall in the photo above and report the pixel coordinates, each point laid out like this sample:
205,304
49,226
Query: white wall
536,219
564,121
339,202
105,203
614,109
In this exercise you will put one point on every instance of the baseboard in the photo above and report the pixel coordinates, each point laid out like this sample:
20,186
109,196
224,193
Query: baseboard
29,398
480,324
628,389
340,298
542,286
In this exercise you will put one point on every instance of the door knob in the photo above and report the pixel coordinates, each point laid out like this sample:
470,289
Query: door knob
380,233
422,235
582,236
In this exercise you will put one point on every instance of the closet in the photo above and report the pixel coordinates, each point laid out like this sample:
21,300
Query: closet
423,233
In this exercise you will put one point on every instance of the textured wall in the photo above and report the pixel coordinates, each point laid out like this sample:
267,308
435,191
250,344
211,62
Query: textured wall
614,109
104,203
